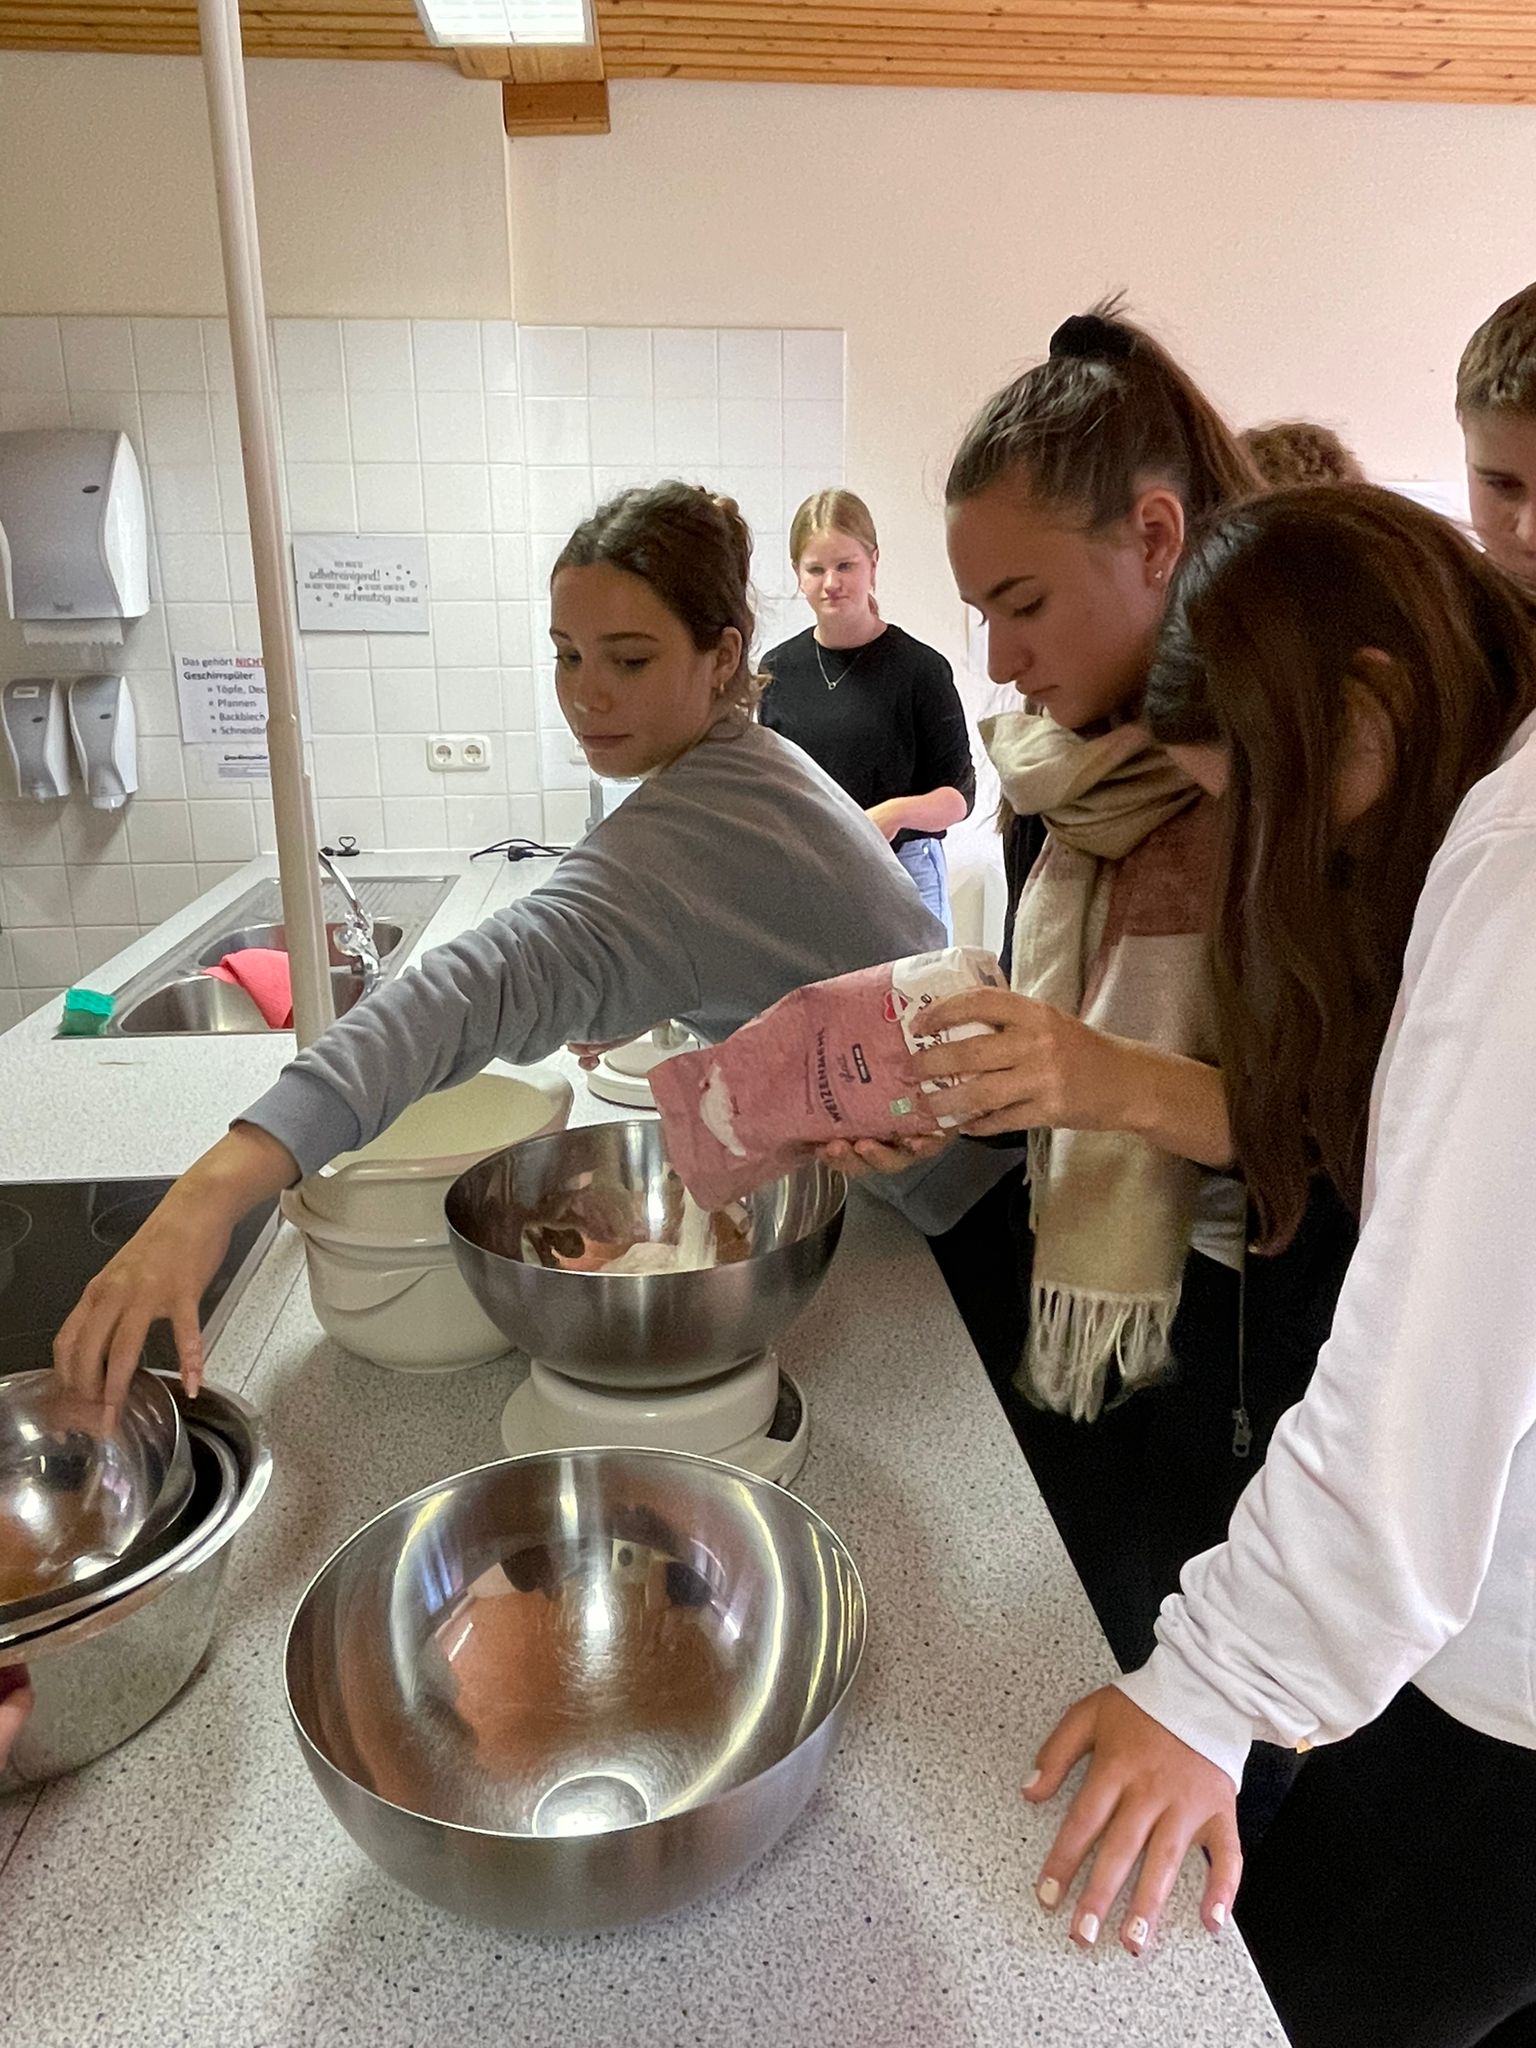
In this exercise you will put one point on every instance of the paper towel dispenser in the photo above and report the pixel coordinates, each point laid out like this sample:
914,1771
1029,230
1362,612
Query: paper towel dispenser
73,542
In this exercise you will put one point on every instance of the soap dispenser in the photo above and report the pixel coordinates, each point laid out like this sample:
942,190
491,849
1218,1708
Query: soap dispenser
35,735
101,717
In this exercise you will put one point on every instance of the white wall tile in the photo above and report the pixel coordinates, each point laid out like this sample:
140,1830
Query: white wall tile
465,634
335,650
519,712
21,411
460,566
760,494
389,497
525,817
558,499
31,358
29,831
35,999
555,430
521,760
145,645
361,816
750,363
414,821
543,553
377,355
10,1009
241,567
340,700
100,943
321,498
800,484
470,700
447,355
314,428
559,770
610,479
163,890
308,355
346,767
177,428
194,568
116,412
200,628
234,507
223,832
509,498
623,430
619,362
504,426
554,361
751,432
226,425
169,355
44,956
457,497
565,816
813,435
35,897
813,366
383,426
211,872
159,831
403,767
405,700
687,431
498,354
452,425
685,362
154,705
509,560
98,355
512,635
218,363
93,837
103,894
7,964
476,821
161,771
401,650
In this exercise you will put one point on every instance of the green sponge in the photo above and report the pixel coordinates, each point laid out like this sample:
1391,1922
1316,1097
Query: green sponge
86,1013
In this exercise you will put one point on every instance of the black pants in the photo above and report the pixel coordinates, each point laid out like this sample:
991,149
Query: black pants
1392,1903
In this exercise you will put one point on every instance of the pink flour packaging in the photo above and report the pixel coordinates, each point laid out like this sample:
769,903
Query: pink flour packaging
832,1061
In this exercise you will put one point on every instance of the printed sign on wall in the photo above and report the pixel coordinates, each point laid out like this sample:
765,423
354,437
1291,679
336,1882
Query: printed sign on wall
348,584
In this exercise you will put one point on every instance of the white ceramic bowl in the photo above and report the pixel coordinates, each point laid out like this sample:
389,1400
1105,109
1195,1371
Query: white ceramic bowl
392,1190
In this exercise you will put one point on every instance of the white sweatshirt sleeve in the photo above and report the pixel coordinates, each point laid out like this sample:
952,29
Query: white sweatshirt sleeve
1360,1547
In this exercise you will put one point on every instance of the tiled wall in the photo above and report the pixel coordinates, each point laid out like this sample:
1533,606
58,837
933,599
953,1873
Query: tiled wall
492,441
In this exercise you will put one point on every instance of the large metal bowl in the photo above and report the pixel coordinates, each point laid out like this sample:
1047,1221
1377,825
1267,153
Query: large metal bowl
577,1689
80,1488
634,1329
100,1676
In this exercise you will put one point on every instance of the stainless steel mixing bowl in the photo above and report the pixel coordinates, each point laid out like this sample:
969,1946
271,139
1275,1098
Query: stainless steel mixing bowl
613,1182
101,1675
79,1489
572,1690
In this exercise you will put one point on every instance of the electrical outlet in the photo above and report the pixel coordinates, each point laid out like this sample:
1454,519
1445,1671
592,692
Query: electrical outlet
574,752
452,753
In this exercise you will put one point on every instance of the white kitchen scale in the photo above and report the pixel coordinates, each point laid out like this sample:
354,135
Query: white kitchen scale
624,1074
754,1416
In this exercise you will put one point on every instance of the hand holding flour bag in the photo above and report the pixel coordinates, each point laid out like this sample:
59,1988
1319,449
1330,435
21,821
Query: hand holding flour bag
829,1062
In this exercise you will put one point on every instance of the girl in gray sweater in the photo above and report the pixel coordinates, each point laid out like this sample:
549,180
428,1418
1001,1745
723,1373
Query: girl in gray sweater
738,872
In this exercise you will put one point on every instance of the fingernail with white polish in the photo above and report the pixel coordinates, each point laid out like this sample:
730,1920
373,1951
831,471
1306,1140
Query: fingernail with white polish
1031,1781
1088,1929
1048,1892
1136,1932
1219,1915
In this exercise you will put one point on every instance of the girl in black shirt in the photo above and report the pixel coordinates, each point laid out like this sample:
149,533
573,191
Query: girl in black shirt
875,708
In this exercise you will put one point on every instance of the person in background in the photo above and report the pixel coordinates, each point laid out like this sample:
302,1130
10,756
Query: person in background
1288,453
875,708
1496,405
737,872
1361,685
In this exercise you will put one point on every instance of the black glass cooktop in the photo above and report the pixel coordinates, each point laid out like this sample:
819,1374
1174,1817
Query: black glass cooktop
54,1235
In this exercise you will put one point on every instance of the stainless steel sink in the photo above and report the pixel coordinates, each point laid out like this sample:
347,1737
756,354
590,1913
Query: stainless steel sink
201,1005
174,997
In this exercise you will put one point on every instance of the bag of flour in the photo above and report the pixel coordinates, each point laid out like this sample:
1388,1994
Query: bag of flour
832,1061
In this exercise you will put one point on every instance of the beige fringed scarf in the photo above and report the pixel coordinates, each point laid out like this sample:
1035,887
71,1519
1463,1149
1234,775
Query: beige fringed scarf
1111,929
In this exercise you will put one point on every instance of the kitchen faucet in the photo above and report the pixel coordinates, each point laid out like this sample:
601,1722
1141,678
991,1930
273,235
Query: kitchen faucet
354,935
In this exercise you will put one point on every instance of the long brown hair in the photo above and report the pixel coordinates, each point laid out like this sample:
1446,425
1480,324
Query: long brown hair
1278,611
1291,452
694,549
1107,413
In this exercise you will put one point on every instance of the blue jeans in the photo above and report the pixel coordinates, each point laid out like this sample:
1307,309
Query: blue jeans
924,861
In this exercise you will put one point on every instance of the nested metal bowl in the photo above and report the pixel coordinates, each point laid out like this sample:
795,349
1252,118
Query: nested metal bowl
576,1689
605,1188
81,1489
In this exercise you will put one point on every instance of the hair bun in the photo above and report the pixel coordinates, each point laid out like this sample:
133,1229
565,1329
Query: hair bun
1093,338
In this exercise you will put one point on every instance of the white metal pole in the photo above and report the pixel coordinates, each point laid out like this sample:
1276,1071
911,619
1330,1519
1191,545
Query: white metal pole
292,807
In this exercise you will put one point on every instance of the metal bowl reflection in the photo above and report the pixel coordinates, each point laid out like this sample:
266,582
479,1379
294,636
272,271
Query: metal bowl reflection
573,1690
609,1187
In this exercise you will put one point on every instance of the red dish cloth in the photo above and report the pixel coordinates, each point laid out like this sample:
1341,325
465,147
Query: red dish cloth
265,976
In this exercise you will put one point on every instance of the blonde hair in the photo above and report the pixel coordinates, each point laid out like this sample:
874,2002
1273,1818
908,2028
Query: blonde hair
1288,453
831,512
1497,371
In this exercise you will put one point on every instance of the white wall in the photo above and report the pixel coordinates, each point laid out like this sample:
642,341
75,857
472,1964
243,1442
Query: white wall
1326,258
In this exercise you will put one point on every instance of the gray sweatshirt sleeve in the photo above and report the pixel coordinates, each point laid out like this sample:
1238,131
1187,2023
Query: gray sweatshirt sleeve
562,964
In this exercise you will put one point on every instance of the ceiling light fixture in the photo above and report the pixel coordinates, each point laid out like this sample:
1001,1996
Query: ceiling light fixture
456,24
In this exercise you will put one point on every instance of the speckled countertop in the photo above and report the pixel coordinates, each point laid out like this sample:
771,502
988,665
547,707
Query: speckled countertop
194,1888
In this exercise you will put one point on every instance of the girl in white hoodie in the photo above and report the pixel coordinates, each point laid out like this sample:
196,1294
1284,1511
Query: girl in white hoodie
1362,687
